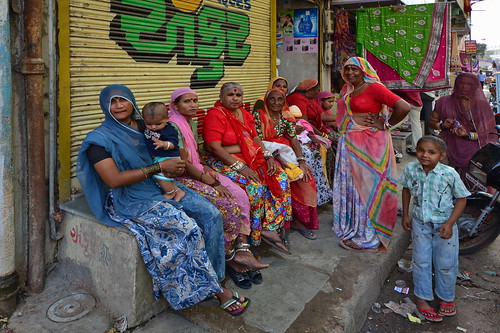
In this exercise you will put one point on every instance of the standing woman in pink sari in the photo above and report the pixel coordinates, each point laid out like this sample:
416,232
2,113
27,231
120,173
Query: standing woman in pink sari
465,120
365,199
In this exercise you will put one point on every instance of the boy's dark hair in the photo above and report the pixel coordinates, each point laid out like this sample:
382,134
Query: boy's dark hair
438,141
155,109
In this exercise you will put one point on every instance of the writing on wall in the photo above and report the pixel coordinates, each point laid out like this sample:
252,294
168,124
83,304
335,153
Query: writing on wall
199,35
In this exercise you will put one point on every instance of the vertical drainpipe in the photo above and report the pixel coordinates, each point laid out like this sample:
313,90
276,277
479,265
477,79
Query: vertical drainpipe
33,69
9,280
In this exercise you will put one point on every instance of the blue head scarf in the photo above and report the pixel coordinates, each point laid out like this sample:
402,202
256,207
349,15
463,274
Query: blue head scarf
128,149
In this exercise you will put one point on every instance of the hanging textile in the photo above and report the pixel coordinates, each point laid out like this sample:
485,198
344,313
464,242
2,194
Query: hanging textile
344,40
409,46
455,63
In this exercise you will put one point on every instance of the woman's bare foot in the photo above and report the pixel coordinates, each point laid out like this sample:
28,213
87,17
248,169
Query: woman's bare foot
247,259
423,304
273,239
240,268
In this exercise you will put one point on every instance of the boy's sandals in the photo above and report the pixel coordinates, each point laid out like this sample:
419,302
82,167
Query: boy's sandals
430,315
294,172
447,309
235,299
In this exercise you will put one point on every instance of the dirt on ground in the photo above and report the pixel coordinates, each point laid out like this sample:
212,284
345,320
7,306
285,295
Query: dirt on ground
477,299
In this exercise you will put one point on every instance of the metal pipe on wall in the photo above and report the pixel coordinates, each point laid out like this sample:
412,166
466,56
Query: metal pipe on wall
9,281
52,119
33,69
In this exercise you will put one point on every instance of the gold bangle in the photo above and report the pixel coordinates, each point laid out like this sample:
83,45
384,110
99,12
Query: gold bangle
153,169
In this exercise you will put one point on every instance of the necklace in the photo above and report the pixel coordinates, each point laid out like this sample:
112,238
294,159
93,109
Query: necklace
276,118
356,89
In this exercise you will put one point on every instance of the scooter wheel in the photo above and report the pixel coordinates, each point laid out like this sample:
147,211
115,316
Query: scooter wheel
487,231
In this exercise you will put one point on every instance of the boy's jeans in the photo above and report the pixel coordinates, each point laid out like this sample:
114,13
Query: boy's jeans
428,249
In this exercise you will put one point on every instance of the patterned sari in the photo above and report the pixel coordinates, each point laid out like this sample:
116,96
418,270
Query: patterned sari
235,213
365,187
184,258
270,200
304,197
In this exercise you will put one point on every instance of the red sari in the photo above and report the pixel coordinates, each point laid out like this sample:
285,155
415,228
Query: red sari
304,196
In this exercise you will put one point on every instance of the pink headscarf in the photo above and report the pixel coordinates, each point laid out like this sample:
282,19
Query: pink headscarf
191,145
321,96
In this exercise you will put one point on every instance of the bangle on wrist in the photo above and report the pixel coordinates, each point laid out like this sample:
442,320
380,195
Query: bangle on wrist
301,158
172,192
440,125
267,154
144,172
472,136
237,166
168,145
153,169
387,125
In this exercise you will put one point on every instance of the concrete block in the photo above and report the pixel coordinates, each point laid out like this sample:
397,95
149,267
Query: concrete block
120,281
399,141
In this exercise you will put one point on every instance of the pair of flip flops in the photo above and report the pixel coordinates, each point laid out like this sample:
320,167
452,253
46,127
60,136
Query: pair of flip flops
235,299
446,309
244,280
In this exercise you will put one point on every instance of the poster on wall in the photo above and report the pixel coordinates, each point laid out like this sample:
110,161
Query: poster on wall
299,29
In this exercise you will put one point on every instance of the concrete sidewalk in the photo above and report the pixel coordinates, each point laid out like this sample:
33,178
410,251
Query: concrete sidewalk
319,288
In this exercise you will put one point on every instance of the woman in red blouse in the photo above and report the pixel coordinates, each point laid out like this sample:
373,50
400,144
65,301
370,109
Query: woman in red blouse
236,151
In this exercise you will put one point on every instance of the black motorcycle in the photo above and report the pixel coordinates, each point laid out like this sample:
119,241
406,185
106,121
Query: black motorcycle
479,225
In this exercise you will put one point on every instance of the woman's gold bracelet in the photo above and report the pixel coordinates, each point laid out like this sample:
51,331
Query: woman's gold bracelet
237,166
153,169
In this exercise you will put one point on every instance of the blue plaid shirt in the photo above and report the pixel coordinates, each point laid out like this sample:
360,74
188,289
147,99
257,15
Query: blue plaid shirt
433,193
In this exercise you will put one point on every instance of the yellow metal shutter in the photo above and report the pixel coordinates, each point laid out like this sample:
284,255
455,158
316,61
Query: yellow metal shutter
155,47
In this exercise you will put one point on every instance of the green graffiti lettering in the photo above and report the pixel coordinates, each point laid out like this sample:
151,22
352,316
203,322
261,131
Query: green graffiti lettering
236,36
213,36
157,31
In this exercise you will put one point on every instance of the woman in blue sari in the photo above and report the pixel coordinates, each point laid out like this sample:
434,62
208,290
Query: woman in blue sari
181,242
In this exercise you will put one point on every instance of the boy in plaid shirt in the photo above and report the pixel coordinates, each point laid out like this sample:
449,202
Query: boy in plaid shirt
433,187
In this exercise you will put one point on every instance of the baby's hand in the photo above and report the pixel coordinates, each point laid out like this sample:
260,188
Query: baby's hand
446,231
160,144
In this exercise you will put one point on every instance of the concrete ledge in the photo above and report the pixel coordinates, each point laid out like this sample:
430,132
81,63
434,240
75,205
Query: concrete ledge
120,281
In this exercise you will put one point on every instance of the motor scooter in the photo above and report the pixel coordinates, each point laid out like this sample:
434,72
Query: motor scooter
479,224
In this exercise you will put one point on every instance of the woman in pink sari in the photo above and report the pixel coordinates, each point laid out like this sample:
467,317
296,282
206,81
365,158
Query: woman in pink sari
465,120
229,198
365,199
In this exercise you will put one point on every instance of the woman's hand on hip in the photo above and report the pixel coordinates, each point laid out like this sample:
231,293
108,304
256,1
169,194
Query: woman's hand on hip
173,167
250,174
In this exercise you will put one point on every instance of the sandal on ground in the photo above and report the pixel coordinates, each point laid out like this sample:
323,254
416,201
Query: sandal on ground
294,172
236,299
287,241
274,243
351,246
255,277
241,280
430,315
309,234
447,309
